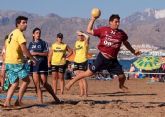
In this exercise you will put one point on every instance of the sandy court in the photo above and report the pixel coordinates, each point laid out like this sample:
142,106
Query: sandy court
143,100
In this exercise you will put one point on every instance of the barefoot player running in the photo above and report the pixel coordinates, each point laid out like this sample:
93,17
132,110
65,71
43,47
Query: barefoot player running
111,39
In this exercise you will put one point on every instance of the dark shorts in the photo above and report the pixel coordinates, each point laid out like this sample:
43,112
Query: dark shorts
81,66
40,67
58,68
102,63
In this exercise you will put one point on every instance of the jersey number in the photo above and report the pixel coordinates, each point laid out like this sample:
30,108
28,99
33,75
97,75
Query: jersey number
10,37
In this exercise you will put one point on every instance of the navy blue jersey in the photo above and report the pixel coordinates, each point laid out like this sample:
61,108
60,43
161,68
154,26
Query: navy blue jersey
38,46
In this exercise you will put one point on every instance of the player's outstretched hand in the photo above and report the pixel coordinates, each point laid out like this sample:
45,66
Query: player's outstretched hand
137,52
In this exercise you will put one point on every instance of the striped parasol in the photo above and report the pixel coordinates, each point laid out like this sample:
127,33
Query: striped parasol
148,63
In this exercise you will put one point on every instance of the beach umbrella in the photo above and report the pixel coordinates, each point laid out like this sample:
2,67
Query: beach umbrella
148,63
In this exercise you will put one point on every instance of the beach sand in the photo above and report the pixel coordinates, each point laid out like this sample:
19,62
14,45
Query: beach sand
143,100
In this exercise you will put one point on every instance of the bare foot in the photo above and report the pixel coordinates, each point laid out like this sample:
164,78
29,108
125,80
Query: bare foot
18,103
8,107
67,86
123,89
86,95
57,101
81,95
6,104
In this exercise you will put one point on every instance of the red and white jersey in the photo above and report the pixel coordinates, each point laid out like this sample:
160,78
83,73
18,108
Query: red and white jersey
110,40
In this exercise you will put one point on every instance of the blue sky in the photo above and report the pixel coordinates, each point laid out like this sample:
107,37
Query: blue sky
81,8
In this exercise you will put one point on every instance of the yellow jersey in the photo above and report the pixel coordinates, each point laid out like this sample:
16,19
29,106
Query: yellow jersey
14,54
81,51
59,51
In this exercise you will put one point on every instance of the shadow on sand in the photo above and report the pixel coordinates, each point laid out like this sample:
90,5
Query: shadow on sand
90,103
124,94
23,107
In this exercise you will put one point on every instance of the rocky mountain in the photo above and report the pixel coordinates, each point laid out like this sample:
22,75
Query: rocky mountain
50,26
141,27
146,27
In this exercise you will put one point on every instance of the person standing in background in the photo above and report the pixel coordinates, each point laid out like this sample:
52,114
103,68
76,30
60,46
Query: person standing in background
81,60
131,70
2,74
39,50
57,61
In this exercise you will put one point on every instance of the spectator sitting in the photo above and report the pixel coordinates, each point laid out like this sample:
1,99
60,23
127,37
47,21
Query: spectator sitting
132,69
69,72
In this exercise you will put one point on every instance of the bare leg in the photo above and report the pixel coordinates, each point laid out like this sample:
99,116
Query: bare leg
80,83
55,81
48,87
62,82
85,87
2,74
10,93
36,79
22,90
78,77
122,79
81,87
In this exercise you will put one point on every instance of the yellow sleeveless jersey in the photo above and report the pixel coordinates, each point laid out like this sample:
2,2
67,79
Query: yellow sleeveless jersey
81,51
59,51
14,53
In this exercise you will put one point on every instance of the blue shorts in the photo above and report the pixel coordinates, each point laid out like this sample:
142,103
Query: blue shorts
41,66
102,63
16,71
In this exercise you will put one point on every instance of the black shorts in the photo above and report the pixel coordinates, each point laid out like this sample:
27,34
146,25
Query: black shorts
41,66
81,66
58,68
102,63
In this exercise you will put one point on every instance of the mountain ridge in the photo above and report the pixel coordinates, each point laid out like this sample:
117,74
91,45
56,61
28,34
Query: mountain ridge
141,27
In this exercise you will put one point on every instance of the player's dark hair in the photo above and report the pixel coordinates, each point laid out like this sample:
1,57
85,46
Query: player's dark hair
19,18
114,16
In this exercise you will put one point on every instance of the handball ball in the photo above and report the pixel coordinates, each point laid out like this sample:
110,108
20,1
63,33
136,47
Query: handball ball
96,12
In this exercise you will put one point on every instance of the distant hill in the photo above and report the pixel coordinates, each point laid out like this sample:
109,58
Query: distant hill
141,27
50,26
146,27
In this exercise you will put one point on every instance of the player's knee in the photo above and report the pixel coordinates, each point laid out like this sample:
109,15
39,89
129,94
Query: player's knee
122,76
27,80
88,73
